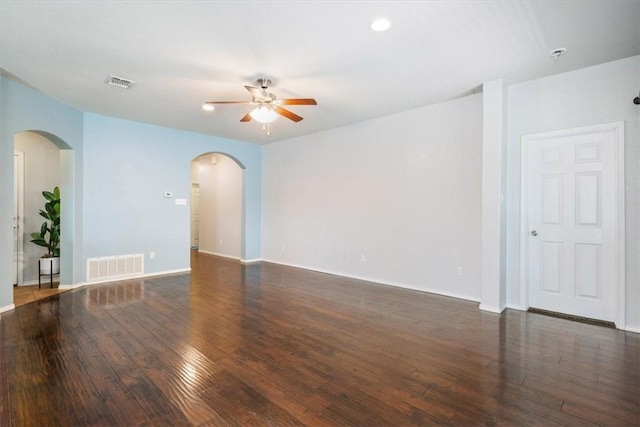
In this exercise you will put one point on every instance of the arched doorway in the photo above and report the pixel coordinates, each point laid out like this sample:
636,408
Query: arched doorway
217,205
42,161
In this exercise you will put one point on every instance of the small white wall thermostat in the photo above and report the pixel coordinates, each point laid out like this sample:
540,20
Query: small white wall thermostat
168,194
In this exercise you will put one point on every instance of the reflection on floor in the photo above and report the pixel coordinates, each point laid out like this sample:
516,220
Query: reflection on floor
265,344
25,294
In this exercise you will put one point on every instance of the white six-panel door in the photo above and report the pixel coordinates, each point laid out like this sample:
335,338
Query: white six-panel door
572,188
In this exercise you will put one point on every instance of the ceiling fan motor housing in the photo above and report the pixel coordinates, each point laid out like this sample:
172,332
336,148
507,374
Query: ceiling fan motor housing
267,97
264,82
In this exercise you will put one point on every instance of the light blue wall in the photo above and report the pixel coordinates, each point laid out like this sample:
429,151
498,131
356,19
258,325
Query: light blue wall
114,173
129,167
21,109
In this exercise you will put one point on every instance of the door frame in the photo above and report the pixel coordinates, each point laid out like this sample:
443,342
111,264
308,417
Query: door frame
18,195
193,211
617,128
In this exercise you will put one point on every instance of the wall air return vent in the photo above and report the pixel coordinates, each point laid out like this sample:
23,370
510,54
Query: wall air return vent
110,268
120,82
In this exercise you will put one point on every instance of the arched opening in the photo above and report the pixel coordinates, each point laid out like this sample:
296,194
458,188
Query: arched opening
42,161
218,205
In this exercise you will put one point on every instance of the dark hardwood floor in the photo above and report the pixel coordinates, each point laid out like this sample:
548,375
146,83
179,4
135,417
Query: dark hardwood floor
270,345
27,294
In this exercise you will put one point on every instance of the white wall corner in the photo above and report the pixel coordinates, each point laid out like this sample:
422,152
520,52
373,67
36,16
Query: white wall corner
493,290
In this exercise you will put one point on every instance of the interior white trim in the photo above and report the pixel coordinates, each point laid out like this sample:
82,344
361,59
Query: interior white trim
524,253
73,286
7,308
242,261
380,282
492,308
219,254
29,283
618,129
113,280
634,330
19,223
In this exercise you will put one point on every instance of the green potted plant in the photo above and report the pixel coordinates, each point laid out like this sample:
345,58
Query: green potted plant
49,234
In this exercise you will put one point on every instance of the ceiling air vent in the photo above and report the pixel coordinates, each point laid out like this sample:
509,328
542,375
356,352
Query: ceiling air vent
120,82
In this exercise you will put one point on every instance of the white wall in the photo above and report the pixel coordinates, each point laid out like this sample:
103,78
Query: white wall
41,172
404,191
594,95
220,205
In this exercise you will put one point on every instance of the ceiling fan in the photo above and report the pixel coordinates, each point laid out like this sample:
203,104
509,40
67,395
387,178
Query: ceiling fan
267,107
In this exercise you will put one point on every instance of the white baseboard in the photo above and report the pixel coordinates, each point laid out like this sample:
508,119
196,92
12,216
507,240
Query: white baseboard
492,308
243,261
135,277
381,282
119,279
44,281
220,255
517,307
250,261
31,283
167,272
631,329
7,308
72,286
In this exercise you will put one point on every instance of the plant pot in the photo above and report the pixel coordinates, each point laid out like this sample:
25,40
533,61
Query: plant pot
50,265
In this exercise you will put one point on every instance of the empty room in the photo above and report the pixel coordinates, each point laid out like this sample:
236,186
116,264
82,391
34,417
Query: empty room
321,213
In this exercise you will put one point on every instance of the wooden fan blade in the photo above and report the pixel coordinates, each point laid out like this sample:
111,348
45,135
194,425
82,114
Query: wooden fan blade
286,113
296,101
228,102
246,117
255,92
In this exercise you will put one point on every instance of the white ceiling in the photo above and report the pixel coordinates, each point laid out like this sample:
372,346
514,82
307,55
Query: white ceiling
182,53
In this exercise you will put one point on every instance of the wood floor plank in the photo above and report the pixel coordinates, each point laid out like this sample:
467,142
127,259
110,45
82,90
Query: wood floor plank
263,344
5,414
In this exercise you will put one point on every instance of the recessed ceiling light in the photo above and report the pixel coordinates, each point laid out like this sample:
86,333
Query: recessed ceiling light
380,24
208,107
557,53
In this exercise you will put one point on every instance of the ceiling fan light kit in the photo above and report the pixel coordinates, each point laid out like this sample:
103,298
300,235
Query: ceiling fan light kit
267,107
263,114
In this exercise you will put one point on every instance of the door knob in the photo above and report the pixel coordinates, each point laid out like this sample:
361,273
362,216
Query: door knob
534,233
